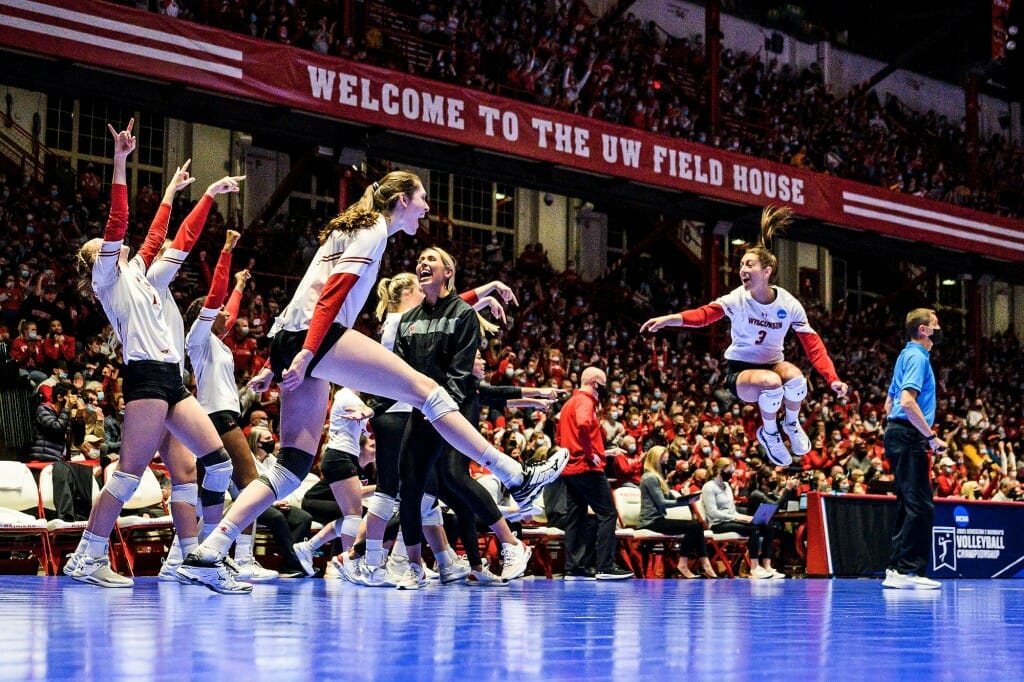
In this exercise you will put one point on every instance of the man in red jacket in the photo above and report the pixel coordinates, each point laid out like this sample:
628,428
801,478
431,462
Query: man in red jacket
579,430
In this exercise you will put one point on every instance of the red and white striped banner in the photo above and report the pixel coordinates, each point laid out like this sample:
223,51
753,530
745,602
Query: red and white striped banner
135,42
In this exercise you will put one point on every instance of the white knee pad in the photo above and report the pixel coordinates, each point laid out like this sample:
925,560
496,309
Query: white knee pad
382,506
218,477
430,512
281,481
795,390
185,492
438,404
122,485
770,400
349,525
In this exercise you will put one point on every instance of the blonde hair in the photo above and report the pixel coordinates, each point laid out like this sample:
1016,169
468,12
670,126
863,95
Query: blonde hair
774,219
652,463
915,318
449,263
390,291
720,465
84,260
379,197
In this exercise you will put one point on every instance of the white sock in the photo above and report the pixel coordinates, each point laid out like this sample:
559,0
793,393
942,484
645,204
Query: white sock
770,425
793,416
374,553
174,554
444,559
243,547
222,538
93,545
452,554
188,545
508,471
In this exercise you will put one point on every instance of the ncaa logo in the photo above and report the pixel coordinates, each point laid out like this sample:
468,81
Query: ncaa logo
960,517
781,314
943,548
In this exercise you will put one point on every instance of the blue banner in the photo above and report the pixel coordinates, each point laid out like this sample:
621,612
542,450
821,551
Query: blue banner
977,540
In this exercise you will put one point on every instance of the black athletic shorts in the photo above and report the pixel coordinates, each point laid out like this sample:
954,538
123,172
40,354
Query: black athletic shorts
152,379
733,369
286,345
338,466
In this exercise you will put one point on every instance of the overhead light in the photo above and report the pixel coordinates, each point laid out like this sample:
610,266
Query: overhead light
1012,30
499,196
948,282
738,242
1011,45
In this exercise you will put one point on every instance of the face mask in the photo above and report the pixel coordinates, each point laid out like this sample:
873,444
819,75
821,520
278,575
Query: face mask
706,449
63,376
727,476
243,331
99,395
510,372
514,427
634,422
618,390
655,408
936,337
24,274
735,413
261,422
657,395
33,336
837,437
844,487
120,413
267,445
631,449
714,409
615,415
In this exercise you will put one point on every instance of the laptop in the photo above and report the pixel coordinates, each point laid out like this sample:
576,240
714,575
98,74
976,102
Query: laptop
764,513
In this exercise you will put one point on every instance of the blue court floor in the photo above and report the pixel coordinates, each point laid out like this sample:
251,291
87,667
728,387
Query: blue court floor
535,629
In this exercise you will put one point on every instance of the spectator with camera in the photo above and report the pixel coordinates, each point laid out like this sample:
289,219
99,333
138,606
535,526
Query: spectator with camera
72,485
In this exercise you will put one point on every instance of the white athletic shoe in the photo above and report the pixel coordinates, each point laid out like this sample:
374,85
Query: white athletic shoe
777,574
514,560
456,571
331,572
250,571
776,449
908,581
97,571
169,572
430,574
536,476
74,559
350,570
760,573
413,579
378,576
211,573
304,552
484,578
396,566
798,440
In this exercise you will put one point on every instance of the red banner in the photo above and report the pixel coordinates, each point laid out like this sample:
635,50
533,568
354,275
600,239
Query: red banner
178,51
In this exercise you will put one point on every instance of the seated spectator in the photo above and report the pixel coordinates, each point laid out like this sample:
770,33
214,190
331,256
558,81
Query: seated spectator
27,351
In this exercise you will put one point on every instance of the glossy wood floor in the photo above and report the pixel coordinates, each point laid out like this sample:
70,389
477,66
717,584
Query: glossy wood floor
535,629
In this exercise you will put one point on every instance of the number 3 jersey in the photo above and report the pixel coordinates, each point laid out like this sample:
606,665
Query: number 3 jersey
759,331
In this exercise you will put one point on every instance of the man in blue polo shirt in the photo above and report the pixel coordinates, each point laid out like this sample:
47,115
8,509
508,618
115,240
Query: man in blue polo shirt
910,404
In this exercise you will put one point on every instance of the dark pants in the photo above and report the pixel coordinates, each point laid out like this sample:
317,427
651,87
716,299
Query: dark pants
761,544
287,527
583,490
907,451
692,543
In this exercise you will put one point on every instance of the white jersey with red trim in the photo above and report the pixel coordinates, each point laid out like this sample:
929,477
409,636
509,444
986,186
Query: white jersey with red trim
355,252
759,331
213,364
160,274
343,434
133,306
388,334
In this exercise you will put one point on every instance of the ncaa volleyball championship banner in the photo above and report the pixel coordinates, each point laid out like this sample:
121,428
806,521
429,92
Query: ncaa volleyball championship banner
977,540
141,43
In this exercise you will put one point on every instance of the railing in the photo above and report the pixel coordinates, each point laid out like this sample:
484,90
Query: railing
23,148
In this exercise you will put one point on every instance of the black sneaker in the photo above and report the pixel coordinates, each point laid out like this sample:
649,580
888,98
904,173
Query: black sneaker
536,476
614,573
580,574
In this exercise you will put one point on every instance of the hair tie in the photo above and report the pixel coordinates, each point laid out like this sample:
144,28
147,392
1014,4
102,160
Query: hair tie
376,186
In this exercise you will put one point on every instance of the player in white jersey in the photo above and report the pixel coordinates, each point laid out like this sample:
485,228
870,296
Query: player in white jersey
156,399
208,320
314,345
160,274
340,469
761,315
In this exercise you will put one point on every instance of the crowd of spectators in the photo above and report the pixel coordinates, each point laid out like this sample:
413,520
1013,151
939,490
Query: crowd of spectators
664,390
619,69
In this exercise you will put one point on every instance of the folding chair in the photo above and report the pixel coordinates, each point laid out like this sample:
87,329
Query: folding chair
645,545
139,542
545,540
21,531
730,549
63,535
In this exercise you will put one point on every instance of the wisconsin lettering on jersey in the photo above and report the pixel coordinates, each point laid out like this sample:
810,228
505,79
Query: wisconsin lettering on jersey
764,323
